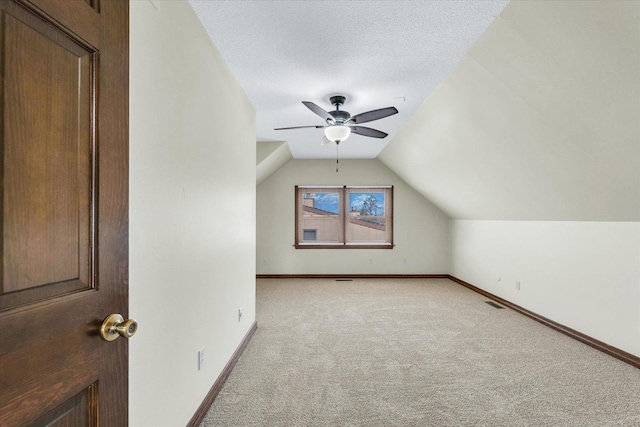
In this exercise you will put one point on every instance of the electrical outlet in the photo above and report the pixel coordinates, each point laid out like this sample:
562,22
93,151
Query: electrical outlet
240,314
499,278
404,261
517,285
370,261
265,261
200,358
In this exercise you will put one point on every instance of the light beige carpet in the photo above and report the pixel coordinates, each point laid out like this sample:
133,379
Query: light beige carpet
414,352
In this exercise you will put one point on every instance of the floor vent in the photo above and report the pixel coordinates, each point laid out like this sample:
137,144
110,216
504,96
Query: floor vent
493,304
344,280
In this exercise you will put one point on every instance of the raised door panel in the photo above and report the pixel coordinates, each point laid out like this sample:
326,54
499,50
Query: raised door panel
76,411
47,153
57,360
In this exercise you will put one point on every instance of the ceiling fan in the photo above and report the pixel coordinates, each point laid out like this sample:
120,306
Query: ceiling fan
340,124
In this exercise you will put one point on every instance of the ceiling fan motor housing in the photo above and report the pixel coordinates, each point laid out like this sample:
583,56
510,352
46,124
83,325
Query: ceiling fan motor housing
340,116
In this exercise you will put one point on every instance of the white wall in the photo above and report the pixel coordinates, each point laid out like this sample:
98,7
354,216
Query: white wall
584,275
192,213
421,230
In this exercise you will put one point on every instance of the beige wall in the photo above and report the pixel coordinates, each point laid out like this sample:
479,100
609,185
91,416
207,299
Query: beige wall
584,275
538,121
421,230
192,169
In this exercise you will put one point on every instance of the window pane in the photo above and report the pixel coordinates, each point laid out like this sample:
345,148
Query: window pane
368,218
321,213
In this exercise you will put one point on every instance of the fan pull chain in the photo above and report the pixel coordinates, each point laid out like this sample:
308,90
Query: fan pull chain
337,146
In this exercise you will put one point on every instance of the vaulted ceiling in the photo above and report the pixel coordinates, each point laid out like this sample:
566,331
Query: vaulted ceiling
375,53
536,118
540,120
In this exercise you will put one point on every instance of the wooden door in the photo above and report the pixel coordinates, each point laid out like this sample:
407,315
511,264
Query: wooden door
64,211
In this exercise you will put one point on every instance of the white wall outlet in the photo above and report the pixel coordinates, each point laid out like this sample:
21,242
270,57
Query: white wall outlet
499,278
404,261
517,285
370,261
265,261
240,314
200,358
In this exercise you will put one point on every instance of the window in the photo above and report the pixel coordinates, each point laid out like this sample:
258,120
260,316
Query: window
309,234
344,217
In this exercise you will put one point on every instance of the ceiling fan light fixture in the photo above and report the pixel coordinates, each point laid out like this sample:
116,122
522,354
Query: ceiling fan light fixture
337,133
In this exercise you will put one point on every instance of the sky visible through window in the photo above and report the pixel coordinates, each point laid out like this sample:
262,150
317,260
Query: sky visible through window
326,201
367,203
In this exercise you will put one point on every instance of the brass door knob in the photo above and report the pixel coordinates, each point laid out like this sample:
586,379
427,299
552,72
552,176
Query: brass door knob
115,326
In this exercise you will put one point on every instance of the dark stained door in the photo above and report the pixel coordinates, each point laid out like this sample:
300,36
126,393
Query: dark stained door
64,211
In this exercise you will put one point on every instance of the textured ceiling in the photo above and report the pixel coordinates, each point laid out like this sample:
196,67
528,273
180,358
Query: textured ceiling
539,121
377,53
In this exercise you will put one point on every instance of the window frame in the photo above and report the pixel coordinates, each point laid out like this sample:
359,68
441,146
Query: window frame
344,191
